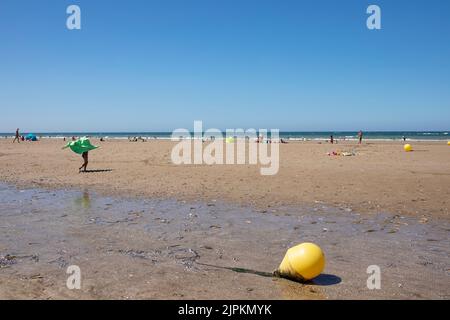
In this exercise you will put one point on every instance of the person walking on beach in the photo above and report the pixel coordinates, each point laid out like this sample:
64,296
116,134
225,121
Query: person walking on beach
331,139
360,136
85,158
81,146
17,137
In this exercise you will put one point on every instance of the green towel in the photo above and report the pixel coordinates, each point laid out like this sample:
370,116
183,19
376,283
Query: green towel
81,145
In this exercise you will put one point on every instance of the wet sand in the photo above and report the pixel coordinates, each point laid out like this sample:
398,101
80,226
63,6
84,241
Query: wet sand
381,177
142,249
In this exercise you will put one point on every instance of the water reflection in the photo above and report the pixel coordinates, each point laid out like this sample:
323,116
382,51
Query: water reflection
83,201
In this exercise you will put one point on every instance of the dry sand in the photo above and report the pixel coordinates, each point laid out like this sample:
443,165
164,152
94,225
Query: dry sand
380,178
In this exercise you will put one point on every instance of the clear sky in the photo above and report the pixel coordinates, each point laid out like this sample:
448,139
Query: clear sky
157,65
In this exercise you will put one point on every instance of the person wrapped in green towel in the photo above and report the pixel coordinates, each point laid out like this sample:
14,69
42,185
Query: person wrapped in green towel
81,146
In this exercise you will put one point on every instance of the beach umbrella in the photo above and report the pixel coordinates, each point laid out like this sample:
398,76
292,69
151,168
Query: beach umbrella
80,145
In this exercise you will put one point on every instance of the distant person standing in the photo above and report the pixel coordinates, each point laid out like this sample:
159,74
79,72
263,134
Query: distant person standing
331,139
17,137
360,136
404,138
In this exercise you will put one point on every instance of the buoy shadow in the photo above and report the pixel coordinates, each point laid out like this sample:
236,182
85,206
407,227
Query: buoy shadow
240,270
323,279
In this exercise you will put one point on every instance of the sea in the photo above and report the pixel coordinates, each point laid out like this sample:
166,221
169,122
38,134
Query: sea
289,135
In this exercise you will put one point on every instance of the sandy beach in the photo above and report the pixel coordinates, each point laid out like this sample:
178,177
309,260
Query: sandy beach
141,227
381,177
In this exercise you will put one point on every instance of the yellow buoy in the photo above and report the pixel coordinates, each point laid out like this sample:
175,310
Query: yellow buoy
407,147
448,143
302,262
229,140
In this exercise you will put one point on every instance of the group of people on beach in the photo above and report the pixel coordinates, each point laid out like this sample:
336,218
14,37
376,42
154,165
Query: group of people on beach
18,137
136,139
85,155
261,139
360,137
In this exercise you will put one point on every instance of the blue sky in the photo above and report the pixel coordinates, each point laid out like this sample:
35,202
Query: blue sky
157,65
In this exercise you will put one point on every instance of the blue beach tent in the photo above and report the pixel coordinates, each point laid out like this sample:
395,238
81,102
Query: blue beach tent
31,137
